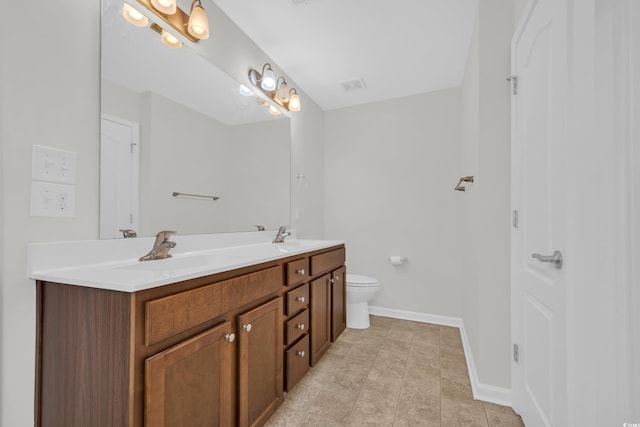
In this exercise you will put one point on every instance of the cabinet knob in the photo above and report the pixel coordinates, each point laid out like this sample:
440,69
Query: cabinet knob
300,326
336,278
301,271
247,327
230,337
300,299
300,353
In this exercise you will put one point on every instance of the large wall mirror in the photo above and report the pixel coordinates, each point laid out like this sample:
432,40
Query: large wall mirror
171,121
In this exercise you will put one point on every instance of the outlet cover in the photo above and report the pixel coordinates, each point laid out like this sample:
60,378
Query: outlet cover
53,200
53,165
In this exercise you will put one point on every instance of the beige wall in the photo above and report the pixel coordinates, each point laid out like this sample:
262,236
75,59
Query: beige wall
50,82
390,169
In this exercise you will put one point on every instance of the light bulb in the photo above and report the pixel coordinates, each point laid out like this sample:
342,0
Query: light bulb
294,102
198,23
283,91
273,110
169,40
168,7
245,91
133,16
268,81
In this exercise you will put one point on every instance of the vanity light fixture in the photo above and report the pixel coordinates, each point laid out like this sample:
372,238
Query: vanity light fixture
169,40
245,91
133,16
294,101
192,27
282,90
268,79
274,110
198,23
168,7
279,92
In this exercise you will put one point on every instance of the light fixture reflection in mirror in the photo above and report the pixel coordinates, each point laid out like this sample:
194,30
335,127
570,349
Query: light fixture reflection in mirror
169,40
133,16
168,7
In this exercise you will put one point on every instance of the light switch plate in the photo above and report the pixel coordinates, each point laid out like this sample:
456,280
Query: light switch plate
54,200
53,165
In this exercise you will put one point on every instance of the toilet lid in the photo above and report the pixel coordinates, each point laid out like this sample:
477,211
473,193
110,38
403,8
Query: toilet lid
358,280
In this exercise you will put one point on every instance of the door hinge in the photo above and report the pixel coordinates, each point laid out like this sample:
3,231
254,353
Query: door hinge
130,218
133,144
514,84
515,218
516,353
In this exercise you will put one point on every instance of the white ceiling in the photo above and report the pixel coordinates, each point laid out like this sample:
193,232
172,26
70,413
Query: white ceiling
398,47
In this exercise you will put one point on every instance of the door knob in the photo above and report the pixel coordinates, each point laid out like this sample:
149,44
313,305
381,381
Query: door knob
555,259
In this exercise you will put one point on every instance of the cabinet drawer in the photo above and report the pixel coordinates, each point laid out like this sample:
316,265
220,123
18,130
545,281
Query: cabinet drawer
297,299
297,271
297,326
297,362
177,313
327,261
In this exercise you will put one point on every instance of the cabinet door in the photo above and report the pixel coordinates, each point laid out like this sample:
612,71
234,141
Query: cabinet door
338,302
320,317
260,363
190,384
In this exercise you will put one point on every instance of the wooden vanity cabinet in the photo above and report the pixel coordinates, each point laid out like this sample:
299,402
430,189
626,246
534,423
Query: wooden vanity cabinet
206,351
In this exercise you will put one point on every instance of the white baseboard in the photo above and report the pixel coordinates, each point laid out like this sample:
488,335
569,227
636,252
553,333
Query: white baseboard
485,392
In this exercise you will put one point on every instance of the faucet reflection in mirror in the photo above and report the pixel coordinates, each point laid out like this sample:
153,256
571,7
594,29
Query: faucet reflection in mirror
193,27
274,90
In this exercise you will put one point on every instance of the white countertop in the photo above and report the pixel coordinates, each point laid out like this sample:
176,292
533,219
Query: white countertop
114,265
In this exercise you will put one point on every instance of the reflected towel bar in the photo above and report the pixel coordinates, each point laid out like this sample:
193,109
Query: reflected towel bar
176,194
461,187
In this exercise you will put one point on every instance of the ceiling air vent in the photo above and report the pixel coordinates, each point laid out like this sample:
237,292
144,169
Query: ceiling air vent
298,2
352,85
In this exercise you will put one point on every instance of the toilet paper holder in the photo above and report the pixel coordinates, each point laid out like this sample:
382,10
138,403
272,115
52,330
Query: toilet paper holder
397,259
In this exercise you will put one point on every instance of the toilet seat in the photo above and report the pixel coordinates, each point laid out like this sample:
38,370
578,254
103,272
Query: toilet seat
357,280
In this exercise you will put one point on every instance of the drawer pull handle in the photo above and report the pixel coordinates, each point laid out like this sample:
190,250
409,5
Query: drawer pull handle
230,337
300,353
300,299
300,326
300,272
247,327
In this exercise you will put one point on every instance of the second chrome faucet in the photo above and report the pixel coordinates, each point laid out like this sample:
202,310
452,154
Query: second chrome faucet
282,233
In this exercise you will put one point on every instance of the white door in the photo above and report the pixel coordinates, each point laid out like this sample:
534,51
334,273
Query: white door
119,176
539,379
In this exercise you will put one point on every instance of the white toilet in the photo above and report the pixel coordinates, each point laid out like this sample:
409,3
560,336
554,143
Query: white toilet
360,290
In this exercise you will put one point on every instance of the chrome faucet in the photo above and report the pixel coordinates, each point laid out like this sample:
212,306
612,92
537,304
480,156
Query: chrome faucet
161,247
282,233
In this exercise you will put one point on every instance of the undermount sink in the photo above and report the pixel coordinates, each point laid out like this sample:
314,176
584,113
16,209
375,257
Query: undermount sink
183,262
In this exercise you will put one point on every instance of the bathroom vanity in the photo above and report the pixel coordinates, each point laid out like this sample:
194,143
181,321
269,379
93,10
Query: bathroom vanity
213,336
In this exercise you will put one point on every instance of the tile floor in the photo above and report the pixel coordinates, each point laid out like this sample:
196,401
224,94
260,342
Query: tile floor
396,373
